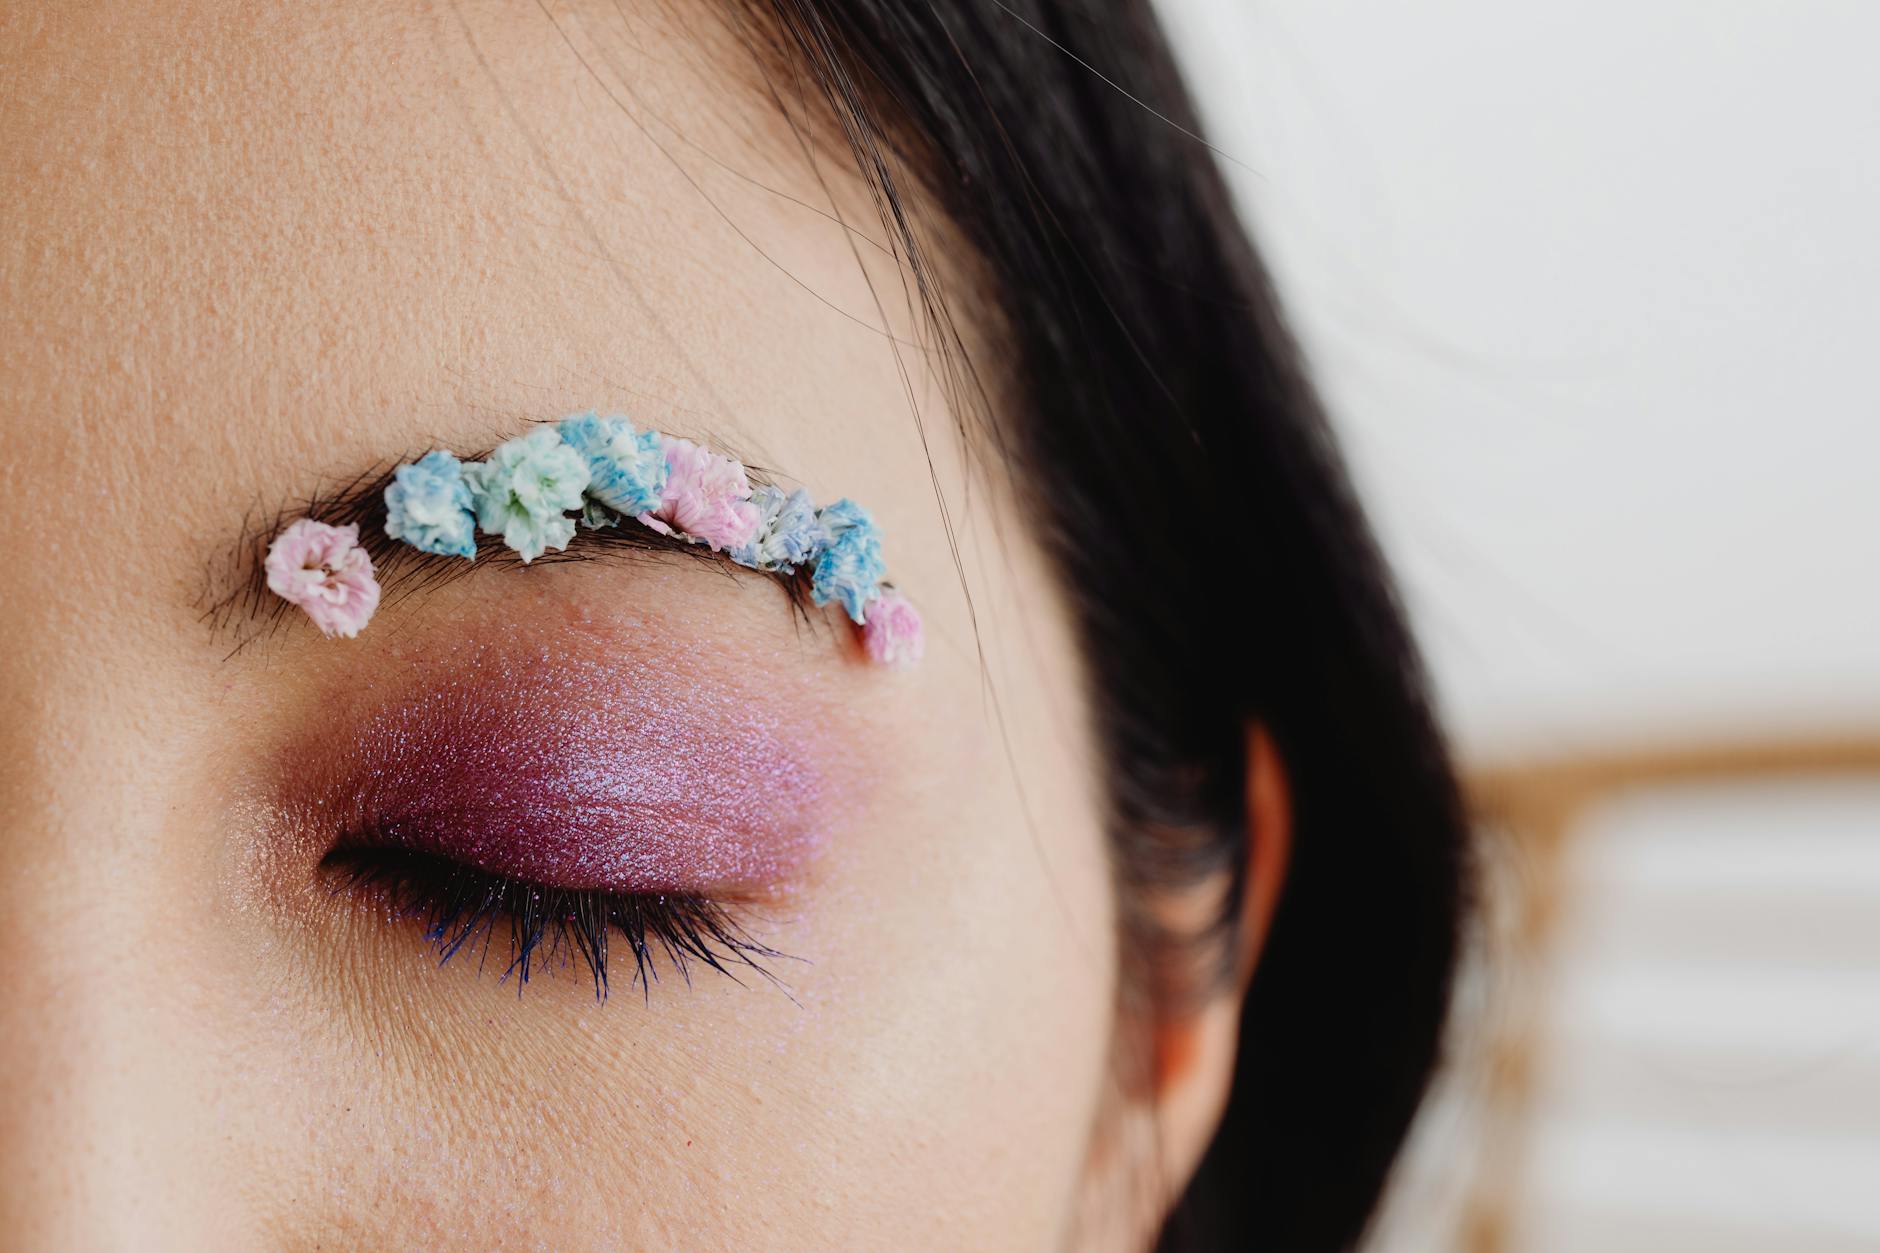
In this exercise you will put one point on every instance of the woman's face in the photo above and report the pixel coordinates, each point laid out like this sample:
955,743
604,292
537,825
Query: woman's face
254,250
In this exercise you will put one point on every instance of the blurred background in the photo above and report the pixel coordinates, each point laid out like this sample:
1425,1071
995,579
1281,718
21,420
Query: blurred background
1592,291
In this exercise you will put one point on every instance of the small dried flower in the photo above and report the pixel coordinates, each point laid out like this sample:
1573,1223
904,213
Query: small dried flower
428,506
849,570
788,531
707,498
322,569
626,468
892,632
524,491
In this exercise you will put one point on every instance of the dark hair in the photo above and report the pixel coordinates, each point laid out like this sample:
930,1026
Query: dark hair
1218,568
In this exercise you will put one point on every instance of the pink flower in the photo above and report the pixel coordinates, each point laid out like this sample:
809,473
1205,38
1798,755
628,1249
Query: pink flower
706,498
891,631
322,569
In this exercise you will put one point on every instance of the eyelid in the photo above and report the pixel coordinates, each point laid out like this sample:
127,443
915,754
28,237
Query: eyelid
584,774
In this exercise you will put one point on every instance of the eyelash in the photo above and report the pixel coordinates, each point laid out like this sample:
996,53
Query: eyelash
460,905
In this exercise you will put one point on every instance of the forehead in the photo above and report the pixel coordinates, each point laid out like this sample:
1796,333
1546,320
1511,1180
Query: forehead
256,246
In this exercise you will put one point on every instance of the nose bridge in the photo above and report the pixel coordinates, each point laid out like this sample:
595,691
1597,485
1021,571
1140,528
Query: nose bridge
99,1098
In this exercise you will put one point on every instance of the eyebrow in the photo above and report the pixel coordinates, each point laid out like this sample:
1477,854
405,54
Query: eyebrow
236,605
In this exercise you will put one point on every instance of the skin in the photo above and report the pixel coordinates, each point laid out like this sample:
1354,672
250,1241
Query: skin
252,249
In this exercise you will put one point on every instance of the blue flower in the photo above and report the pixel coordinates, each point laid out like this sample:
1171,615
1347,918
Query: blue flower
849,570
626,468
788,531
428,506
525,489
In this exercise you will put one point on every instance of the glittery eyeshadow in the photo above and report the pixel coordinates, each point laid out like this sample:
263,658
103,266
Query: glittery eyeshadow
608,774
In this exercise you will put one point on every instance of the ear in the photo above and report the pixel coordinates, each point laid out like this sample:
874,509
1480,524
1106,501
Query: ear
1195,1049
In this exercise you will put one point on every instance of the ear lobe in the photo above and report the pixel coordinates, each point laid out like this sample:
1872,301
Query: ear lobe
1194,1068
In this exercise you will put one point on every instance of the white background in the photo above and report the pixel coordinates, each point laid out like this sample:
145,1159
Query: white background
1593,290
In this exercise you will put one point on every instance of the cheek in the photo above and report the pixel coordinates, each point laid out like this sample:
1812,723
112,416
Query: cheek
962,1029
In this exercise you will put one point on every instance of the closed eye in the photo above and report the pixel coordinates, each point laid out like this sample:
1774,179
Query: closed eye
466,910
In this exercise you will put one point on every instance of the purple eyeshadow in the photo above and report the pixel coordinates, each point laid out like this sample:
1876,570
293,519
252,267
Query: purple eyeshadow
611,775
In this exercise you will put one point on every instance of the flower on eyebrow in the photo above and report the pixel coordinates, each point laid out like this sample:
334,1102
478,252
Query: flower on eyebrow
322,569
707,498
849,570
428,506
525,489
892,631
531,489
788,531
626,468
